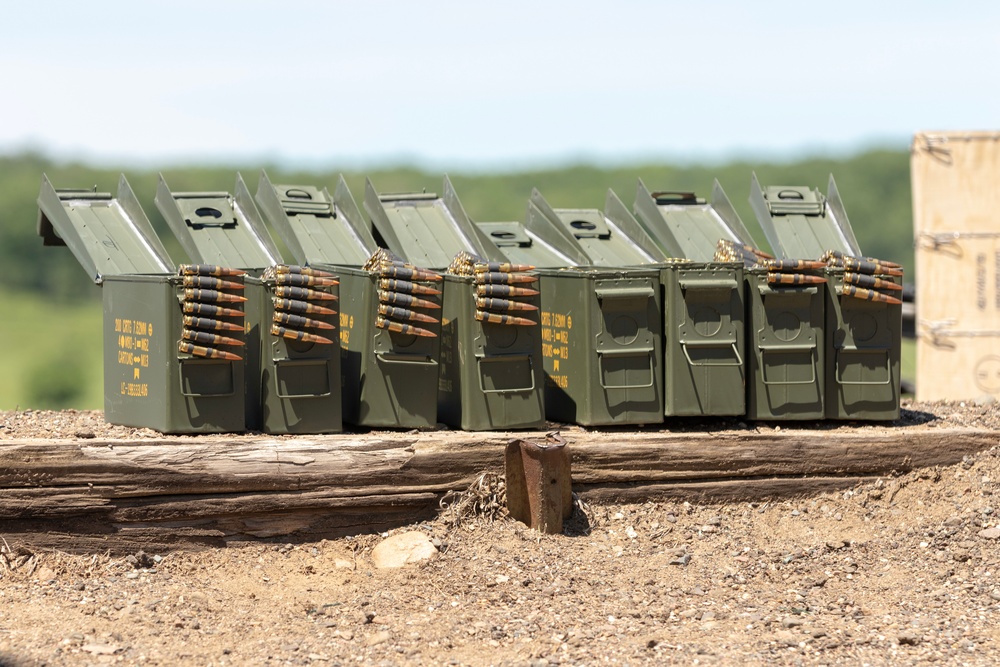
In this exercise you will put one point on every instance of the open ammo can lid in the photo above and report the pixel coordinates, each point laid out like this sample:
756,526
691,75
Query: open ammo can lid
609,238
427,230
800,223
536,243
219,228
686,226
317,228
109,236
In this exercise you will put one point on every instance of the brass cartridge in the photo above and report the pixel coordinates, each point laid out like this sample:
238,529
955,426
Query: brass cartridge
504,291
496,318
405,300
193,294
387,270
302,336
794,279
302,293
400,327
501,267
210,310
185,347
495,277
210,282
868,295
295,269
298,321
303,280
393,285
208,270
404,314
870,268
206,338
870,282
793,264
301,307
487,303
209,323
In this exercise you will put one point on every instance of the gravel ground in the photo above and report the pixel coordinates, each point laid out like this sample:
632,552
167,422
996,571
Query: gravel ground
902,570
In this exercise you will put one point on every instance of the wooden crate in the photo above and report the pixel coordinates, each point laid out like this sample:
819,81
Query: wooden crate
956,225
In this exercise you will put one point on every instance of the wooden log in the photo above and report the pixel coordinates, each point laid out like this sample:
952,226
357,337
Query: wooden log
213,490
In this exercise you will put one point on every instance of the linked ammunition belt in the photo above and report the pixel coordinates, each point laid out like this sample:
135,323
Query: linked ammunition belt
499,289
297,291
204,288
399,285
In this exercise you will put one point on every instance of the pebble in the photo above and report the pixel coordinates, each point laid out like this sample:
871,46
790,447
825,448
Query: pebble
990,533
380,637
908,639
791,622
681,560
786,637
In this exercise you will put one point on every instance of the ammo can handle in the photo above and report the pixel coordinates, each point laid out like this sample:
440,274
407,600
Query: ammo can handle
711,343
506,358
888,370
787,348
629,352
300,362
413,359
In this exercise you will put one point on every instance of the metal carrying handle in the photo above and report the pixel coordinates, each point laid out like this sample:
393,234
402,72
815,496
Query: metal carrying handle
408,359
504,359
787,348
888,370
299,362
628,353
711,343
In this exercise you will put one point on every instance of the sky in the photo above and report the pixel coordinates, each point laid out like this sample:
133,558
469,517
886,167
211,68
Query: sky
488,86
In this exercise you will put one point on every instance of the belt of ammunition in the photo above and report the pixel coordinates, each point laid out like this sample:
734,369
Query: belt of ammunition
302,280
210,282
208,323
404,314
206,352
497,318
206,338
757,252
301,307
302,336
794,279
381,256
504,291
193,294
495,277
405,300
488,303
407,273
208,270
210,310
870,282
302,293
501,267
394,285
793,264
400,327
298,321
295,269
868,295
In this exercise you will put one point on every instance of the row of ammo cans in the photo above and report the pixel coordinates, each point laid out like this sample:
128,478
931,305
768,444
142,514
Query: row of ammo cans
410,314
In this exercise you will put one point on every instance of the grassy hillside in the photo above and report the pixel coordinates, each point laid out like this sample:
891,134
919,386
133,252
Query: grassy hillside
52,322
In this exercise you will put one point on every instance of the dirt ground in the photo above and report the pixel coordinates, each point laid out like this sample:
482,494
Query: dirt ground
899,570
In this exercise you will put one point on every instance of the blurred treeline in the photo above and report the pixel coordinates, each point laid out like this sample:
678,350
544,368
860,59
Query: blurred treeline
875,186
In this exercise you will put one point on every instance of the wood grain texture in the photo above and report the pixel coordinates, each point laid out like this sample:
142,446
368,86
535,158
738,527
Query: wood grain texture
121,495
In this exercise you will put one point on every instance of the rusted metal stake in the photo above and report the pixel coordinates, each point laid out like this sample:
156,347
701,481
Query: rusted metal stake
539,483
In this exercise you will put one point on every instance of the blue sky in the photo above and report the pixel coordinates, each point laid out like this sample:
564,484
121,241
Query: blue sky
488,85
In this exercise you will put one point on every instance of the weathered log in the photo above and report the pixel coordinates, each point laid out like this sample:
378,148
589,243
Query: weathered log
212,490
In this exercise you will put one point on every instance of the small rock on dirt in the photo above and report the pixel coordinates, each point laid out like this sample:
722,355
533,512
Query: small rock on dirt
402,549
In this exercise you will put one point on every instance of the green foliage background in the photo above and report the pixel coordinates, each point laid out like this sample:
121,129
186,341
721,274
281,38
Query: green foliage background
50,329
